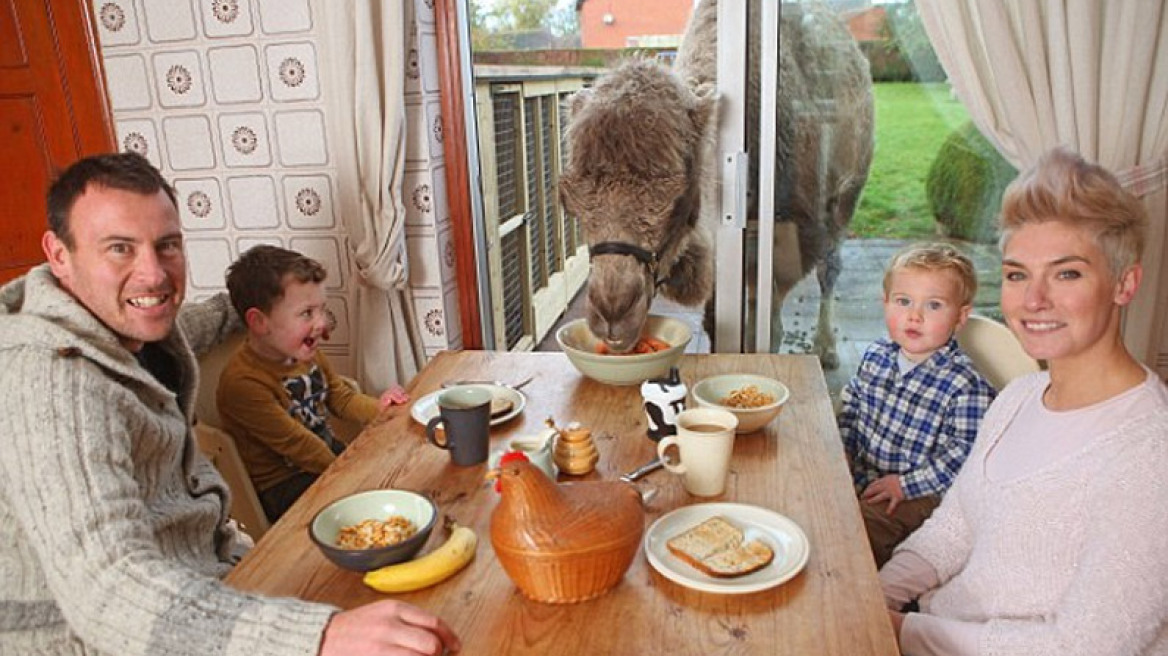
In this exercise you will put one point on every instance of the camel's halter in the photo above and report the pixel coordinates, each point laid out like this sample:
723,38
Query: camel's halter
648,258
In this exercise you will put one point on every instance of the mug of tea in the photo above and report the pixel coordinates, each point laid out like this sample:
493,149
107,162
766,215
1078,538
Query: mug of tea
704,443
465,416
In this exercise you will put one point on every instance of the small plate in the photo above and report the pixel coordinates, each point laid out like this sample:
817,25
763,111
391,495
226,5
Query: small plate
782,534
426,408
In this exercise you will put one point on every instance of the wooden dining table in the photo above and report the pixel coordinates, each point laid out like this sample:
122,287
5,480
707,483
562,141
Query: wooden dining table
795,467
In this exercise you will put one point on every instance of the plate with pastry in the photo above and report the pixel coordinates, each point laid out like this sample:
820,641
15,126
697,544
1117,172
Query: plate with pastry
726,548
506,404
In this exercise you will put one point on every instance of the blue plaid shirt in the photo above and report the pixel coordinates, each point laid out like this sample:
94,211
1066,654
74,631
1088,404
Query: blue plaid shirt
919,425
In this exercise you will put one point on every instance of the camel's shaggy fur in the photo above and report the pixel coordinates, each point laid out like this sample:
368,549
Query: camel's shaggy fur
641,165
632,176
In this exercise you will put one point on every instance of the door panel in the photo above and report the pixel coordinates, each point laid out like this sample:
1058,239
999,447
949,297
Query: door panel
53,111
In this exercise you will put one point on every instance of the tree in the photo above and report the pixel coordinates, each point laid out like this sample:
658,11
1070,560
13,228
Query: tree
521,15
481,34
495,24
906,32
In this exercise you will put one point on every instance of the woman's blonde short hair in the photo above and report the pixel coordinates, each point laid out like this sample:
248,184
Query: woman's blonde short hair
934,258
1064,187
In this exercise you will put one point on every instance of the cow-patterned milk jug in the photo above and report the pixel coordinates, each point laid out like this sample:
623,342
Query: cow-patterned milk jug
664,399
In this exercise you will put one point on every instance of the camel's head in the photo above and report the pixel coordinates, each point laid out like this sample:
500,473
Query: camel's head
619,293
631,179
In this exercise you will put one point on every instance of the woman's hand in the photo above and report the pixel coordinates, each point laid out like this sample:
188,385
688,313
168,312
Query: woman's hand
897,619
886,488
387,628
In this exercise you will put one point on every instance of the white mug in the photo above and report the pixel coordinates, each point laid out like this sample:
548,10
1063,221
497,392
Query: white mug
704,441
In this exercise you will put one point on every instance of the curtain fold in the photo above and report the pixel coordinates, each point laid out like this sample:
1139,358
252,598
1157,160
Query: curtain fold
363,53
1086,74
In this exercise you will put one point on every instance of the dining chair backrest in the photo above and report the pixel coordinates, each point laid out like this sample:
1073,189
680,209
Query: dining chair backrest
995,351
220,447
211,365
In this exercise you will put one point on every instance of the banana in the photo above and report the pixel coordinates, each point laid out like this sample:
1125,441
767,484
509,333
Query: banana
435,567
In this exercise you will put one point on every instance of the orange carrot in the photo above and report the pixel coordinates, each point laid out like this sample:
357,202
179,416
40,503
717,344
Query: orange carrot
655,344
643,346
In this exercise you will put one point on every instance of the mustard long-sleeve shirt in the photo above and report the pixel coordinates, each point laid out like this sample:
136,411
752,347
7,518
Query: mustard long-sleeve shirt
278,413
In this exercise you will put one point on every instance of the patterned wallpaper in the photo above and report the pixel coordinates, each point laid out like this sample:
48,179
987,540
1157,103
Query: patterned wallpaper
225,97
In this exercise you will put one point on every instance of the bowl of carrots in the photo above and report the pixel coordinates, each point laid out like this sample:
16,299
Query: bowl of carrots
662,342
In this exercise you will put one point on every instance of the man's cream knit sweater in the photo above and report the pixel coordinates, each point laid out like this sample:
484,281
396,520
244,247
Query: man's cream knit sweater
113,533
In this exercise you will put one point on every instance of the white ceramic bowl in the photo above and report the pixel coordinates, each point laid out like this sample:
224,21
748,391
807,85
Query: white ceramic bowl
578,342
709,393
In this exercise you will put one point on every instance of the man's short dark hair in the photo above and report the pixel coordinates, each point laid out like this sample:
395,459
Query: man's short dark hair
125,171
256,279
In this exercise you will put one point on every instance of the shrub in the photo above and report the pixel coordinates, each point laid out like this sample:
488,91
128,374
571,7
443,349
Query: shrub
885,62
965,184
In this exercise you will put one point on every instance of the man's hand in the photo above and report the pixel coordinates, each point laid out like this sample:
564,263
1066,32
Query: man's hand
387,628
886,488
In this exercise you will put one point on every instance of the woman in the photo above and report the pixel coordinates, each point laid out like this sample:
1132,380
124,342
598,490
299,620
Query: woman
1054,537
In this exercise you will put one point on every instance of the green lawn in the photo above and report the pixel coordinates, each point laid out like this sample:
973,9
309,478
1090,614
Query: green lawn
911,122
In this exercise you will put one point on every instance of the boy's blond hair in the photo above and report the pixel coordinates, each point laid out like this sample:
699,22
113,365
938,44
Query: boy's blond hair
935,258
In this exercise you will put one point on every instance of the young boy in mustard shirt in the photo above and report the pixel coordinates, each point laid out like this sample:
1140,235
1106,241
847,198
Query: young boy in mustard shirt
277,392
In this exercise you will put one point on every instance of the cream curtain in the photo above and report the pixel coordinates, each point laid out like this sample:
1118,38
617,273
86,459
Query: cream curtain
1087,74
363,55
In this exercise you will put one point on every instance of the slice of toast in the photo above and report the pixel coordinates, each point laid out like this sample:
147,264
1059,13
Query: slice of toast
714,535
746,558
718,548
500,406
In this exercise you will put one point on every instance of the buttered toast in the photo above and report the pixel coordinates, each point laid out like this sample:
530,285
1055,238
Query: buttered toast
718,548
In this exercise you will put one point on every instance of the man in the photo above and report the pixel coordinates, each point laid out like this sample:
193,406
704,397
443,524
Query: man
113,529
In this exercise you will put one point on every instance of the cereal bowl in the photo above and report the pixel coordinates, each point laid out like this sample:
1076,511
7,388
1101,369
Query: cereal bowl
713,392
579,344
326,527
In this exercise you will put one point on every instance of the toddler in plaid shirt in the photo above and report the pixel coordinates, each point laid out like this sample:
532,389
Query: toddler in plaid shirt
912,410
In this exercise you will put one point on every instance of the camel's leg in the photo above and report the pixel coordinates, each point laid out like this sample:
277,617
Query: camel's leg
828,272
779,289
786,272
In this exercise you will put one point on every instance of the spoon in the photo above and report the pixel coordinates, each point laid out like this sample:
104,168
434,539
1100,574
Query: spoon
650,466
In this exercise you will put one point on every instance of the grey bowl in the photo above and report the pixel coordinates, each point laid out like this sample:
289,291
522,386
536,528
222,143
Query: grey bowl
373,504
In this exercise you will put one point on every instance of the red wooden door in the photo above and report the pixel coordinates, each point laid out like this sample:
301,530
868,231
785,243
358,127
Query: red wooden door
53,110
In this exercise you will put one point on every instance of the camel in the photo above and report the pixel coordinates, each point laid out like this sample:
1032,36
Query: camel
641,161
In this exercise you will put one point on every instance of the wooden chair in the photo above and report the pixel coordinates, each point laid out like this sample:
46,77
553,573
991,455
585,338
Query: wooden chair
219,446
995,351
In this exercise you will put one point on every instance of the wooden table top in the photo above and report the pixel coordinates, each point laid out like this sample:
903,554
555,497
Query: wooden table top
795,467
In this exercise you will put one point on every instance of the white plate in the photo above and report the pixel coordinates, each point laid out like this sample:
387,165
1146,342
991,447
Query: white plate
782,534
426,408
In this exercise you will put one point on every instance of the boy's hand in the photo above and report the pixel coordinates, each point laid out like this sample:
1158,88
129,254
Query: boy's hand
395,395
886,488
